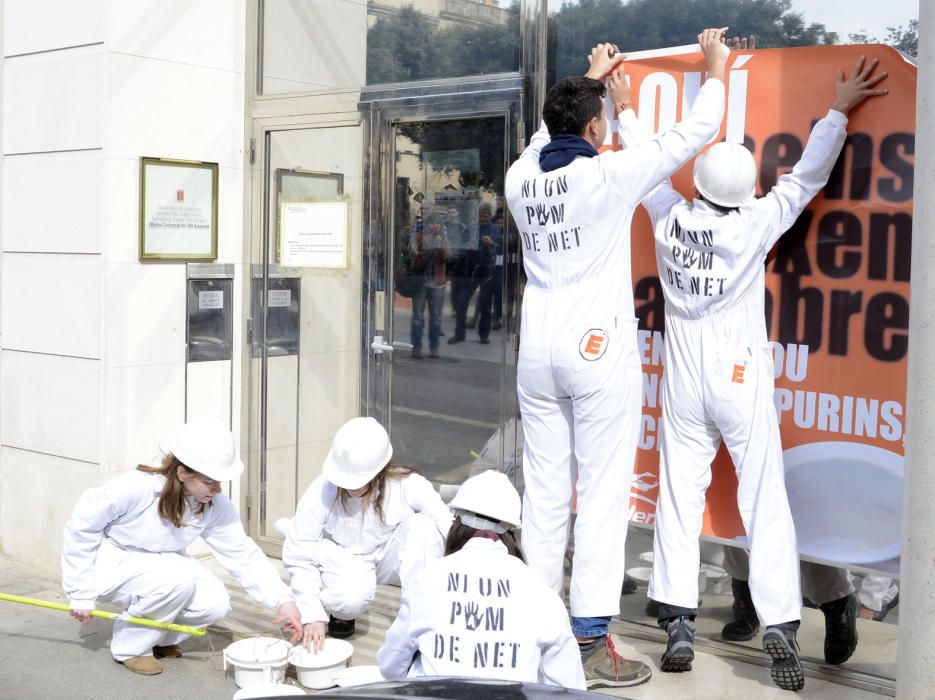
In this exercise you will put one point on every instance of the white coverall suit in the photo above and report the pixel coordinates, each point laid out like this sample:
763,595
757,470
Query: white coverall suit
118,549
336,559
718,379
579,375
482,613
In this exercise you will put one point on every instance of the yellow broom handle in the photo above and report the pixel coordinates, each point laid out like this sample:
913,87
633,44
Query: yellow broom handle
142,621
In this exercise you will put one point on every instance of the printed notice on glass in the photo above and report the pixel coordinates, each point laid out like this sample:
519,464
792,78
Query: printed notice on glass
313,234
178,217
210,300
276,298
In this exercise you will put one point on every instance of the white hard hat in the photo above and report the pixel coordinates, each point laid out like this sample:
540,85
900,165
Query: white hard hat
361,448
491,496
207,446
726,174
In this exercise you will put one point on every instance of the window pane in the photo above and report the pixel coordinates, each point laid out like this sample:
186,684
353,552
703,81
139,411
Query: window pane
317,45
577,25
453,300
312,45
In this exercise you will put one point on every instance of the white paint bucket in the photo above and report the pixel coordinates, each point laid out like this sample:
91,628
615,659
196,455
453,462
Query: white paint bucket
641,574
268,690
257,660
358,675
318,670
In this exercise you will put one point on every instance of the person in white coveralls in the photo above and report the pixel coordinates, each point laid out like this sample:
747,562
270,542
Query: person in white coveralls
480,611
365,520
125,544
718,383
579,375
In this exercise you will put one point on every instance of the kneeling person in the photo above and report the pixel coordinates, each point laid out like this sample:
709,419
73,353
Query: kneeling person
480,611
125,544
365,520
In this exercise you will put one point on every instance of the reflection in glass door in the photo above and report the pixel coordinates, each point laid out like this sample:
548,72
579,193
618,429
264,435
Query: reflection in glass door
453,274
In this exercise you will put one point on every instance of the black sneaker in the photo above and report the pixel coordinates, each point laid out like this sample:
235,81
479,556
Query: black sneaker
629,585
680,649
341,629
745,624
786,671
840,628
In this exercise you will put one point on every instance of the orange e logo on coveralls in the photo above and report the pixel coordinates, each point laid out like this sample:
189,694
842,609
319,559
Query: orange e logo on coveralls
738,374
593,344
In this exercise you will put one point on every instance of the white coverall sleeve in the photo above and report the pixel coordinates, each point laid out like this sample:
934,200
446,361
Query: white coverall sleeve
779,209
636,171
527,165
423,498
560,662
662,198
243,558
399,647
300,552
84,531
874,590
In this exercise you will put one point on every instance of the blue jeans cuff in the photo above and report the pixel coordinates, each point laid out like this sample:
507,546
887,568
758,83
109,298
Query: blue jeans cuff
590,626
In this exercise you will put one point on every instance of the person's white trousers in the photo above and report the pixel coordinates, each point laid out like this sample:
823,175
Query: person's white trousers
875,591
349,581
581,417
718,384
168,587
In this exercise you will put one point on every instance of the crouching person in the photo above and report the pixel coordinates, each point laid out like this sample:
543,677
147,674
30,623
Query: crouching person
125,544
365,520
480,611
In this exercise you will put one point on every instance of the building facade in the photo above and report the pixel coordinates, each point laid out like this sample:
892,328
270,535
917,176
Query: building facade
384,111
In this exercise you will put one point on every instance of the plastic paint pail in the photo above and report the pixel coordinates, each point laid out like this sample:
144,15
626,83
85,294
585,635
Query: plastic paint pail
318,670
257,660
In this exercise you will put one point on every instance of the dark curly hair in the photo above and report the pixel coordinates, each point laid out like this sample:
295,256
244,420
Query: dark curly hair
459,534
571,104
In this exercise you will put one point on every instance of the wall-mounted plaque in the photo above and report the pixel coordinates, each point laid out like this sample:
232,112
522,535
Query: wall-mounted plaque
178,210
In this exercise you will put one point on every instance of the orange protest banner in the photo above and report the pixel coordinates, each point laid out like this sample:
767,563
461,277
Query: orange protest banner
837,301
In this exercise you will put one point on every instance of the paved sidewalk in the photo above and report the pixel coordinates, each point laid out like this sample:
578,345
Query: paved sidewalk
46,655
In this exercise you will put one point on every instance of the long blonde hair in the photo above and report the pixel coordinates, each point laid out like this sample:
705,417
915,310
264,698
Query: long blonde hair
172,498
376,489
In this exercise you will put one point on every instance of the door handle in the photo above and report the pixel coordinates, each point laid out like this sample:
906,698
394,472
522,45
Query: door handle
379,347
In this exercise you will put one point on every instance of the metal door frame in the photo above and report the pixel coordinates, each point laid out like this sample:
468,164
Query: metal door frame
258,263
382,109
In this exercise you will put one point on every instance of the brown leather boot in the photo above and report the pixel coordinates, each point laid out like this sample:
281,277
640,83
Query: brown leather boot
172,651
144,665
